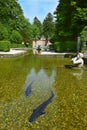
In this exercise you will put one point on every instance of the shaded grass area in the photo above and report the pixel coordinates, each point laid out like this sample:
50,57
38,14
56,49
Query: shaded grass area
67,111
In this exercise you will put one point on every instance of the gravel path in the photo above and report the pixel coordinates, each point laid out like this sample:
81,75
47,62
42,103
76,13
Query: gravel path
12,51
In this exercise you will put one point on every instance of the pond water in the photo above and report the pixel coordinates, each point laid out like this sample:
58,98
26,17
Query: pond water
39,77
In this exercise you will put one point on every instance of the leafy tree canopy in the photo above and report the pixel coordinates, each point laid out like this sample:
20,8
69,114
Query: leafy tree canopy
48,26
12,18
38,24
71,17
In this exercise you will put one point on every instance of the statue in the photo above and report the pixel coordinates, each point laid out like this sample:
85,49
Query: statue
78,60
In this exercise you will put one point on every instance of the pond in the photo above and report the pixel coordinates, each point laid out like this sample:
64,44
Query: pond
44,89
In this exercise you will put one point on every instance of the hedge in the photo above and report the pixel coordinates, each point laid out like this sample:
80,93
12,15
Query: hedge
68,46
4,46
15,45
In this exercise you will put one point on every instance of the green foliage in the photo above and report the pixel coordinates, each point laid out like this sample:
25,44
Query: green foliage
38,24
13,45
12,18
71,17
16,37
63,14
4,45
84,35
26,31
82,13
3,32
69,46
10,12
48,26
35,31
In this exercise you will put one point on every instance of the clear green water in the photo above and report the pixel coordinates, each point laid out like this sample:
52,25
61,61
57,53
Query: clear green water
68,109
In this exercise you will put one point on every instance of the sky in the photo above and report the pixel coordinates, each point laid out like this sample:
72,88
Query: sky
37,8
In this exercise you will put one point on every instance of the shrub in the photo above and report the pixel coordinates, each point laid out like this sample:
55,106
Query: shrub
4,45
68,46
14,45
3,32
16,37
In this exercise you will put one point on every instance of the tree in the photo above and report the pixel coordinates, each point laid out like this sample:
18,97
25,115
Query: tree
64,13
16,37
79,19
48,26
35,32
38,24
3,32
84,35
71,17
26,31
12,19
10,12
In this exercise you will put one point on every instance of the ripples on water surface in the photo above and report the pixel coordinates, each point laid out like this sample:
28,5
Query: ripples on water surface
68,109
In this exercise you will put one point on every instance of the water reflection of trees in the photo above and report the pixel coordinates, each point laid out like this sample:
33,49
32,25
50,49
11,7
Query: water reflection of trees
42,78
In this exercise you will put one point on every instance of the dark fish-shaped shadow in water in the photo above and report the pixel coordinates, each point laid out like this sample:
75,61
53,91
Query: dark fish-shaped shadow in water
28,90
40,109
